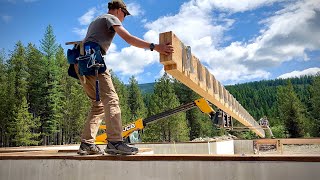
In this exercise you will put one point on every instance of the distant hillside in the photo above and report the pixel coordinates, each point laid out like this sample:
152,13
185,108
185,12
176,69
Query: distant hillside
146,88
260,97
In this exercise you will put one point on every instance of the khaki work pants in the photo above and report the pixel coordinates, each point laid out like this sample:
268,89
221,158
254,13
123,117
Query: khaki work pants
108,108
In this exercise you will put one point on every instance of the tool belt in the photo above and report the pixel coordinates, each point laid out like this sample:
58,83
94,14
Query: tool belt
86,59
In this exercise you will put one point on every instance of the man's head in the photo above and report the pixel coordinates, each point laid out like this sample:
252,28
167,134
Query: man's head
118,4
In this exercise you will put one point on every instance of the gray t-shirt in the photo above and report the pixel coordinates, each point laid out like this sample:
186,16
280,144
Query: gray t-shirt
101,31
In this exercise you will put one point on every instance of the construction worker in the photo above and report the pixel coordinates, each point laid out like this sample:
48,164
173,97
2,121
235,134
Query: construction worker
264,123
99,37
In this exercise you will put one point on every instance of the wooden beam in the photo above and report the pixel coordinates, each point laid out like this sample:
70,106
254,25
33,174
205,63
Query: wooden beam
77,43
267,141
193,74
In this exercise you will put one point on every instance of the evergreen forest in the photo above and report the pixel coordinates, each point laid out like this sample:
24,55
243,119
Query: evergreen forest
42,105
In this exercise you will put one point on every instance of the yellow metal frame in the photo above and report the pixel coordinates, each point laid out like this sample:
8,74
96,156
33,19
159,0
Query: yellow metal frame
127,130
204,106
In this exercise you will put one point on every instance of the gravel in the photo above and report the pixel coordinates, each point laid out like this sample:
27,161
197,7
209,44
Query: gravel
294,149
216,138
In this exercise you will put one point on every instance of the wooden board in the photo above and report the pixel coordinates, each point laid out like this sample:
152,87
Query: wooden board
197,77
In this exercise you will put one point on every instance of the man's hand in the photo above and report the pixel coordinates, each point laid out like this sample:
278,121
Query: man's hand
165,49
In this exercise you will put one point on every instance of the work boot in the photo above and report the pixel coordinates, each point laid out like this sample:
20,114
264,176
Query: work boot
89,149
121,148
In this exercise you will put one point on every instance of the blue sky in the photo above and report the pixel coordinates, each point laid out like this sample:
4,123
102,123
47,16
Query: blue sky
237,40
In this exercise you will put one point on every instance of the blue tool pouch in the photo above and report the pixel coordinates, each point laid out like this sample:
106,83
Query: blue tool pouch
72,55
85,63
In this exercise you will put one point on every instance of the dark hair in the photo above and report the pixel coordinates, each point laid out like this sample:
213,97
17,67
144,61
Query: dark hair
114,5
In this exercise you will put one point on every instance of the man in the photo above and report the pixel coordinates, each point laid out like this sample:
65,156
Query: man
99,37
264,123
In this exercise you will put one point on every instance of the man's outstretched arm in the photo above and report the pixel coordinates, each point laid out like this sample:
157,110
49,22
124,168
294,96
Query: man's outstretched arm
137,42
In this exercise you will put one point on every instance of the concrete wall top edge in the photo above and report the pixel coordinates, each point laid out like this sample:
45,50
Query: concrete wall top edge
171,158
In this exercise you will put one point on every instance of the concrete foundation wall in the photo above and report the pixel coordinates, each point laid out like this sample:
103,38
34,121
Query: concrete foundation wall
215,147
243,147
169,170
220,147
223,147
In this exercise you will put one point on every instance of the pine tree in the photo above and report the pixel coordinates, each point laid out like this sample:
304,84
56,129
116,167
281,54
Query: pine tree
72,104
135,100
122,92
153,132
59,97
170,129
48,43
50,114
3,98
200,124
36,81
291,110
16,86
22,127
279,131
18,68
315,101
75,111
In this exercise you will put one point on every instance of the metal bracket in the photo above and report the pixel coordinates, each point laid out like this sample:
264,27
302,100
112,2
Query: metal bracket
187,58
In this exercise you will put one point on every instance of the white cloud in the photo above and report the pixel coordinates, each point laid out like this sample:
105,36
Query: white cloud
235,5
81,32
281,40
196,27
127,61
160,74
6,18
130,60
309,72
135,9
88,17
287,35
